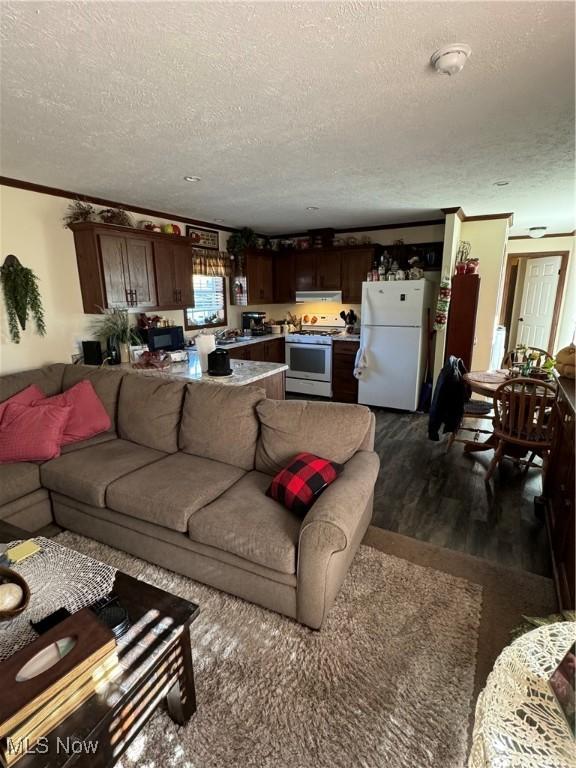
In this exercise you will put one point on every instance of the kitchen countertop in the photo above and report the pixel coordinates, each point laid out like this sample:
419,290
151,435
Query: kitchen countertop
271,336
243,371
247,341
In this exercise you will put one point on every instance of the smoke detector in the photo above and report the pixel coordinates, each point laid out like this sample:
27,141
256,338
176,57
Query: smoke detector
450,59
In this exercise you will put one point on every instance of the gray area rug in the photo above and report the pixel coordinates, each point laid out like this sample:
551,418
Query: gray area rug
388,681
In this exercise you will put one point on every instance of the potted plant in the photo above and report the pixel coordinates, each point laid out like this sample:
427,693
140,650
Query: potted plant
115,329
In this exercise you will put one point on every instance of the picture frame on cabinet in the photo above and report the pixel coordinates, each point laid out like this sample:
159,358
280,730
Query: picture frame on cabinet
203,238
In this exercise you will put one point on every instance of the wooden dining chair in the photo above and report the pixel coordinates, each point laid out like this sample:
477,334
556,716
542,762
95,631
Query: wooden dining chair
509,358
522,417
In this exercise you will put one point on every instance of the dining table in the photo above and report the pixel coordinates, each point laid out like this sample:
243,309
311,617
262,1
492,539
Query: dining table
486,383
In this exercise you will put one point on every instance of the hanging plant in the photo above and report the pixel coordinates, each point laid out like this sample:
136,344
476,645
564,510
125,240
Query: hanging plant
22,298
78,212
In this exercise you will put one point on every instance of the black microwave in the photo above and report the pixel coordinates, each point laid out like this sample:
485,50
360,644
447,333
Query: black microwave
166,339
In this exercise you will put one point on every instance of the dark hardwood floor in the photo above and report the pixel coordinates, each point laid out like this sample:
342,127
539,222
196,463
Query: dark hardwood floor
441,497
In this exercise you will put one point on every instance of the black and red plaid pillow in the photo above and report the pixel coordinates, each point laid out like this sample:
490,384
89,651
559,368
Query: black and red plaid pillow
298,485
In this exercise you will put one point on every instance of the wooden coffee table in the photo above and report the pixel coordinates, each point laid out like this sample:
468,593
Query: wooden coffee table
156,665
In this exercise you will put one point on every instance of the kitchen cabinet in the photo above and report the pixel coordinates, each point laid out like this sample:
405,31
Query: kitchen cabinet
127,268
269,351
116,268
284,277
317,269
257,275
355,265
173,268
559,496
344,384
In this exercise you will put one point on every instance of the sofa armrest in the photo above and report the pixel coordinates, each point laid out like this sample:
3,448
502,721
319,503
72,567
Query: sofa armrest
330,534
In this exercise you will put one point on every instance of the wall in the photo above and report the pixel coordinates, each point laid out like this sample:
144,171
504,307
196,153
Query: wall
31,228
488,240
451,240
567,324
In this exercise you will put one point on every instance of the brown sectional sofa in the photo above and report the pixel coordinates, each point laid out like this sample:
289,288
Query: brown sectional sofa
180,481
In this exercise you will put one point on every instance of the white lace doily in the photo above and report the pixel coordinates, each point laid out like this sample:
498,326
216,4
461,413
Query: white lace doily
58,578
519,723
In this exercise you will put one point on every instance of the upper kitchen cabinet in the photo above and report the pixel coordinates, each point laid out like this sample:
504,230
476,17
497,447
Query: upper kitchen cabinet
284,278
317,270
174,268
254,282
328,272
356,263
116,267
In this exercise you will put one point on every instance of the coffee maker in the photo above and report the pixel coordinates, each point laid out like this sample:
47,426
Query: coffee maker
253,323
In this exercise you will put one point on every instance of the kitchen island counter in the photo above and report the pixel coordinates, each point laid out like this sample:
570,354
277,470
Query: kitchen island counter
270,376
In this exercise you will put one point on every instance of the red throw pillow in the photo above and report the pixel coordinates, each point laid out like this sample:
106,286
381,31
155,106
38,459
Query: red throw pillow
32,432
88,417
25,397
298,485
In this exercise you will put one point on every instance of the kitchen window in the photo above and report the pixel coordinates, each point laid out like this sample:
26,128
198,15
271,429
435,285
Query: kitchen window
209,310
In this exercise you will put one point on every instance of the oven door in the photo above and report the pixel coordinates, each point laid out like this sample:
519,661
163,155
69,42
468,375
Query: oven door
309,361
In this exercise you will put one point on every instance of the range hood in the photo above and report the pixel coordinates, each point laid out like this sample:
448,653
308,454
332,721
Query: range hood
305,297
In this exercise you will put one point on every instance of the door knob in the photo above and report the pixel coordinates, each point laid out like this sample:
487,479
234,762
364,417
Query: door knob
520,319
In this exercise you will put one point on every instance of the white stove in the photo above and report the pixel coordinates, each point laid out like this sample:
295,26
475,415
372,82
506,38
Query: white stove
309,355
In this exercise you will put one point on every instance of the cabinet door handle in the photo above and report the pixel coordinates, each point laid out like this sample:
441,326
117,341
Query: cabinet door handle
135,299
180,295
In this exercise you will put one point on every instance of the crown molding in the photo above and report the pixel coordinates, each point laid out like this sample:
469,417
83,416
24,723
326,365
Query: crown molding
55,192
557,234
486,217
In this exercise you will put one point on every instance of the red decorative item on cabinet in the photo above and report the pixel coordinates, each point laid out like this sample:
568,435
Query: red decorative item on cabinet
462,318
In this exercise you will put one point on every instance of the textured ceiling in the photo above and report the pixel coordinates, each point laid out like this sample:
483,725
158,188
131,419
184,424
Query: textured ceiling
278,106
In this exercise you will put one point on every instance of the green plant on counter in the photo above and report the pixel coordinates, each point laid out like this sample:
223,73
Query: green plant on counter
22,298
115,324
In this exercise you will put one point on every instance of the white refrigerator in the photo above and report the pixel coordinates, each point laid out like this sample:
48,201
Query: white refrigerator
393,342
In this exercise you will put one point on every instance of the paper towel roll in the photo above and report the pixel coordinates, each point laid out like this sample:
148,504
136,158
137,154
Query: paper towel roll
205,343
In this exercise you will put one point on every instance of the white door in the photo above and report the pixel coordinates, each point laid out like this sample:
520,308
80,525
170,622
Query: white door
393,303
538,299
393,372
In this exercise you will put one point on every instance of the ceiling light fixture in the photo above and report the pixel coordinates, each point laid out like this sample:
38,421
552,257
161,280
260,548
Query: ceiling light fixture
192,179
537,231
450,59
218,221
312,208
501,183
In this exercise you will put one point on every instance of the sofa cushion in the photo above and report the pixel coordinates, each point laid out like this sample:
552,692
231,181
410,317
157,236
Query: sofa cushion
32,432
246,522
103,437
334,431
149,411
87,416
299,484
17,480
85,475
26,396
168,492
106,383
220,423
48,379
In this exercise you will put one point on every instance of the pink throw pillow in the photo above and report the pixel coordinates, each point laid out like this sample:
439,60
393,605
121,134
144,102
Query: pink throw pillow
87,418
25,397
32,432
